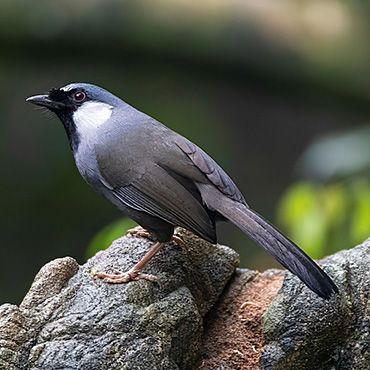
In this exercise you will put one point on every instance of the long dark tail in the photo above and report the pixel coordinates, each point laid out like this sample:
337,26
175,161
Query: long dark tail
284,250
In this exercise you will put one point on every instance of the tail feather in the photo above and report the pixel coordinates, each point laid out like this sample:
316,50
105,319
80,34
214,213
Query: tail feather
287,253
284,250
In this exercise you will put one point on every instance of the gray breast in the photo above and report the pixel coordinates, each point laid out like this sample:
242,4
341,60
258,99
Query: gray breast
86,162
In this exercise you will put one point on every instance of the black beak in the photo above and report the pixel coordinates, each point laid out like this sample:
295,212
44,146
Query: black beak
45,101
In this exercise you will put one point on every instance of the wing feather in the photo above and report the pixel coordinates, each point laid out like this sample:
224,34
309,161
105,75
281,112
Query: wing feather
160,195
215,174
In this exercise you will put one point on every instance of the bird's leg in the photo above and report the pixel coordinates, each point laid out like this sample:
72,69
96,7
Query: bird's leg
135,272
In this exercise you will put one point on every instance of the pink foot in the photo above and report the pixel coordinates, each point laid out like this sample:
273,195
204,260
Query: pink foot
125,277
139,232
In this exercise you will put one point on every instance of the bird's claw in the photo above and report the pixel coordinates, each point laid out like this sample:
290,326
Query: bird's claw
142,233
139,232
178,240
125,277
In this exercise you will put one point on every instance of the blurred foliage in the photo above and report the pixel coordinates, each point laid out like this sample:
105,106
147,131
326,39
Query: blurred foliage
337,155
317,41
104,238
324,218
333,211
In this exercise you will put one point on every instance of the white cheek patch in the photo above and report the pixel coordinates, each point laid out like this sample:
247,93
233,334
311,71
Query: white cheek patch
91,115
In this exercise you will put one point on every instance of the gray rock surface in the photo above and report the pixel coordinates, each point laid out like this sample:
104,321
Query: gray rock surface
303,332
69,320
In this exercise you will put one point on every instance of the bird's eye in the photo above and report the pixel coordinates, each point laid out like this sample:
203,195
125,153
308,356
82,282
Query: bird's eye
79,96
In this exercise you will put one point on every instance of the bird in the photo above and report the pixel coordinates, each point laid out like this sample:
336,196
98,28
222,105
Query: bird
162,180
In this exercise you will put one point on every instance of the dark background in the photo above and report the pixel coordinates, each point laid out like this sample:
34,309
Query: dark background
253,85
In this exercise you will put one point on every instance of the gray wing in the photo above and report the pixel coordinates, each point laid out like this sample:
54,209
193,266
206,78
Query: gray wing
154,190
154,170
214,173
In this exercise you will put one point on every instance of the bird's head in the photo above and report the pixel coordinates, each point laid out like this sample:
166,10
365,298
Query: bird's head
81,107
71,98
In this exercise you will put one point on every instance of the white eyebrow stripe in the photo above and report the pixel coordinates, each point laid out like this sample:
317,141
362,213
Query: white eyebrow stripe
67,88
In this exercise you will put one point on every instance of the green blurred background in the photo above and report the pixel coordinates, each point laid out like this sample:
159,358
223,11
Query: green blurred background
277,91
